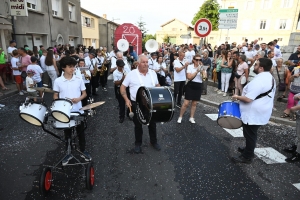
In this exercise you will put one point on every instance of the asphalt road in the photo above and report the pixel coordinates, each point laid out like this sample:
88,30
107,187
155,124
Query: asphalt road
194,162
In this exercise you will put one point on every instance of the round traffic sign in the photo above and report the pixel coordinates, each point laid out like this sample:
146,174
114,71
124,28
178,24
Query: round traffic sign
203,27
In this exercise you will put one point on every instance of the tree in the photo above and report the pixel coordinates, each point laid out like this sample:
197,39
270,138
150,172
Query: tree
166,39
148,37
142,26
209,10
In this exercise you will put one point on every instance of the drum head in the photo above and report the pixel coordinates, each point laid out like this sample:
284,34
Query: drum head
229,122
31,119
143,105
60,116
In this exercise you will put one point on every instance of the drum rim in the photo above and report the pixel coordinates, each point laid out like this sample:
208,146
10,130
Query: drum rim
41,123
60,113
61,99
63,127
151,107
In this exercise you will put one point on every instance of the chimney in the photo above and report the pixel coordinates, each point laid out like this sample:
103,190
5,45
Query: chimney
104,16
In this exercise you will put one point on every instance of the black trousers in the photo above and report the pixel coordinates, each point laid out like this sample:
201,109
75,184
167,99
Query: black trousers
250,134
106,75
80,134
138,129
178,88
102,80
121,104
95,83
88,94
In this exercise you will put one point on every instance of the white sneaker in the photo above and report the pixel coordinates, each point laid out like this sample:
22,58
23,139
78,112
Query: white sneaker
225,94
179,120
24,91
1,105
192,120
220,92
216,90
21,93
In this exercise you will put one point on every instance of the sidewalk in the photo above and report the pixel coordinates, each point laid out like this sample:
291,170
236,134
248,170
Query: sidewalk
214,99
7,93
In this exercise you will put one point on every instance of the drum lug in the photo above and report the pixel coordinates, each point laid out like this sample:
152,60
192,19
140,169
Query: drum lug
152,110
224,112
171,110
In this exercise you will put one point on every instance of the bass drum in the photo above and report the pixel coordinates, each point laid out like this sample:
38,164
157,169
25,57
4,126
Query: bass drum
154,105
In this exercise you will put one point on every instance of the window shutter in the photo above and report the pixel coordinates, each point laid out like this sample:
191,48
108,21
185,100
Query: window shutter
70,8
277,24
291,2
257,24
268,22
31,1
288,24
54,5
281,4
270,4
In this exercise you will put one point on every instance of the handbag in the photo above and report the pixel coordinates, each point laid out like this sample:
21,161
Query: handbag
294,89
237,75
23,74
184,87
281,86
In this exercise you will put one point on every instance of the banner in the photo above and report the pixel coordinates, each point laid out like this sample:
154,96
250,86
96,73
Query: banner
18,8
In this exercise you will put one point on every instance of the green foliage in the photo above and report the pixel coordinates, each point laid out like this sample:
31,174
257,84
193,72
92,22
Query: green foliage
166,39
209,10
146,38
142,26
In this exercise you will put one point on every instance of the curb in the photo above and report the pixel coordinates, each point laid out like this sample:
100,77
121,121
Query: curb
8,94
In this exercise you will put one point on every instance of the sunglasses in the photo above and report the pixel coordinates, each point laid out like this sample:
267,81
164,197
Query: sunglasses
197,59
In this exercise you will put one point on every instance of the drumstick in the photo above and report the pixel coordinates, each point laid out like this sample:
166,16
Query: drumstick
131,114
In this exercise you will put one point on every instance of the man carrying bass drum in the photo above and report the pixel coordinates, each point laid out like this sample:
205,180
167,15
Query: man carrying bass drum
142,76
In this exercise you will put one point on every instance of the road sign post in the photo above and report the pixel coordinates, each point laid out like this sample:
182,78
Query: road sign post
203,27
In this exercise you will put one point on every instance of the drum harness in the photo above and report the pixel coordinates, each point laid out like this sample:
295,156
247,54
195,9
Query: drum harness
266,93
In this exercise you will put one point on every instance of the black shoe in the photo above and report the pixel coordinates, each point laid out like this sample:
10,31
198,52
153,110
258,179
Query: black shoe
130,118
241,149
121,120
86,156
178,106
95,94
294,158
156,146
290,149
137,149
241,159
66,160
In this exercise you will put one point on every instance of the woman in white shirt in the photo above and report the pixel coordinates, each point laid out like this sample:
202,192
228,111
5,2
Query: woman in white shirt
161,69
193,88
51,67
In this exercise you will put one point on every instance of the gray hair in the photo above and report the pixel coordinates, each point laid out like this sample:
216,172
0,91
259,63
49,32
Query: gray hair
261,53
279,59
119,53
205,52
140,58
243,57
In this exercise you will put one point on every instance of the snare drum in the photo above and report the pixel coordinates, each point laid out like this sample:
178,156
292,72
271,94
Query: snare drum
154,104
229,115
61,110
75,119
33,113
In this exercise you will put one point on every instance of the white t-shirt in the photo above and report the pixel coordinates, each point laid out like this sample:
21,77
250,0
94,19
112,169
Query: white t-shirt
38,71
90,62
118,75
179,76
191,70
29,82
100,61
159,66
189,56
249,54
9,51
135,80
42,61
14,62
259,111
151,63
127,68
70,89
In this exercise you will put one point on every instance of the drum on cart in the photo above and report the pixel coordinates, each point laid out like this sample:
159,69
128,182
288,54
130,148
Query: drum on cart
154,105
229,115
33,113
61,110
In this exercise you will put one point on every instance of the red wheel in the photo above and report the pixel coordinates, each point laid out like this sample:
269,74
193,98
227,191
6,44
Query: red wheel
90,176
45,181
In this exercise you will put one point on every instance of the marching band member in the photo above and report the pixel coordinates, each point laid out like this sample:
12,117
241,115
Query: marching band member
100,59
91,62
70,86
142,76
161,70
180,66
193,88
152,60
119,57
256,104
86,77
119,76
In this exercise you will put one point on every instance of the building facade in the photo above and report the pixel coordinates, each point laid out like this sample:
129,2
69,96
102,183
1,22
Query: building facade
90,29
107,32
49,22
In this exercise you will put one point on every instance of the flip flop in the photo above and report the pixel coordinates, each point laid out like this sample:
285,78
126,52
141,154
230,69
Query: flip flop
5,88
285,115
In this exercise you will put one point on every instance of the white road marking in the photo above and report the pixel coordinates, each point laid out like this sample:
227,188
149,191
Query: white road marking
235,132
269,155
213,117
297,185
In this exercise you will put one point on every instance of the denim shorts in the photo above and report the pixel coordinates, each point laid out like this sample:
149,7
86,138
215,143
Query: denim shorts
40,84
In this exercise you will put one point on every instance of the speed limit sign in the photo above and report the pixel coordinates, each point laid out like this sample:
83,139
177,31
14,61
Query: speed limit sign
203,27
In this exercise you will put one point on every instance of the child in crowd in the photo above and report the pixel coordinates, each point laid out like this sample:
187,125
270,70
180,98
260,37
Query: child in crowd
38,72
30,83
15,64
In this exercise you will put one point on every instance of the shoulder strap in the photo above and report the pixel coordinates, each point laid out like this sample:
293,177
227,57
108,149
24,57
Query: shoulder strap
266,93
278,74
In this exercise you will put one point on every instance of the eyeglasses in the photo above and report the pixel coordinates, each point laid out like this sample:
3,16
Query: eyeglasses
197,59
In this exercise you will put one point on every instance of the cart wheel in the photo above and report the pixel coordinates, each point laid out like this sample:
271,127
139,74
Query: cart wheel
90,176
45,181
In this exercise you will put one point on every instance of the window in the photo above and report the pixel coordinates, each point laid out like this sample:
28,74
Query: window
263,24
86,21
92,23
56,5
249,5
243,38
174,29
266,4
211,38
227,38
260,39
287,3
71,12
31,4
279,39
282,24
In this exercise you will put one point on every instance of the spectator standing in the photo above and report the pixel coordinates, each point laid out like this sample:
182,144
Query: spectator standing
38,72
51,67
242,70
16,71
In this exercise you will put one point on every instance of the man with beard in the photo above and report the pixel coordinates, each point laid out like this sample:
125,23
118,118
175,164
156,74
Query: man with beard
295,57
260,91
263,47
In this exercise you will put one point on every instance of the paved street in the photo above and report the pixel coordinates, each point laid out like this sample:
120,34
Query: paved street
194,162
